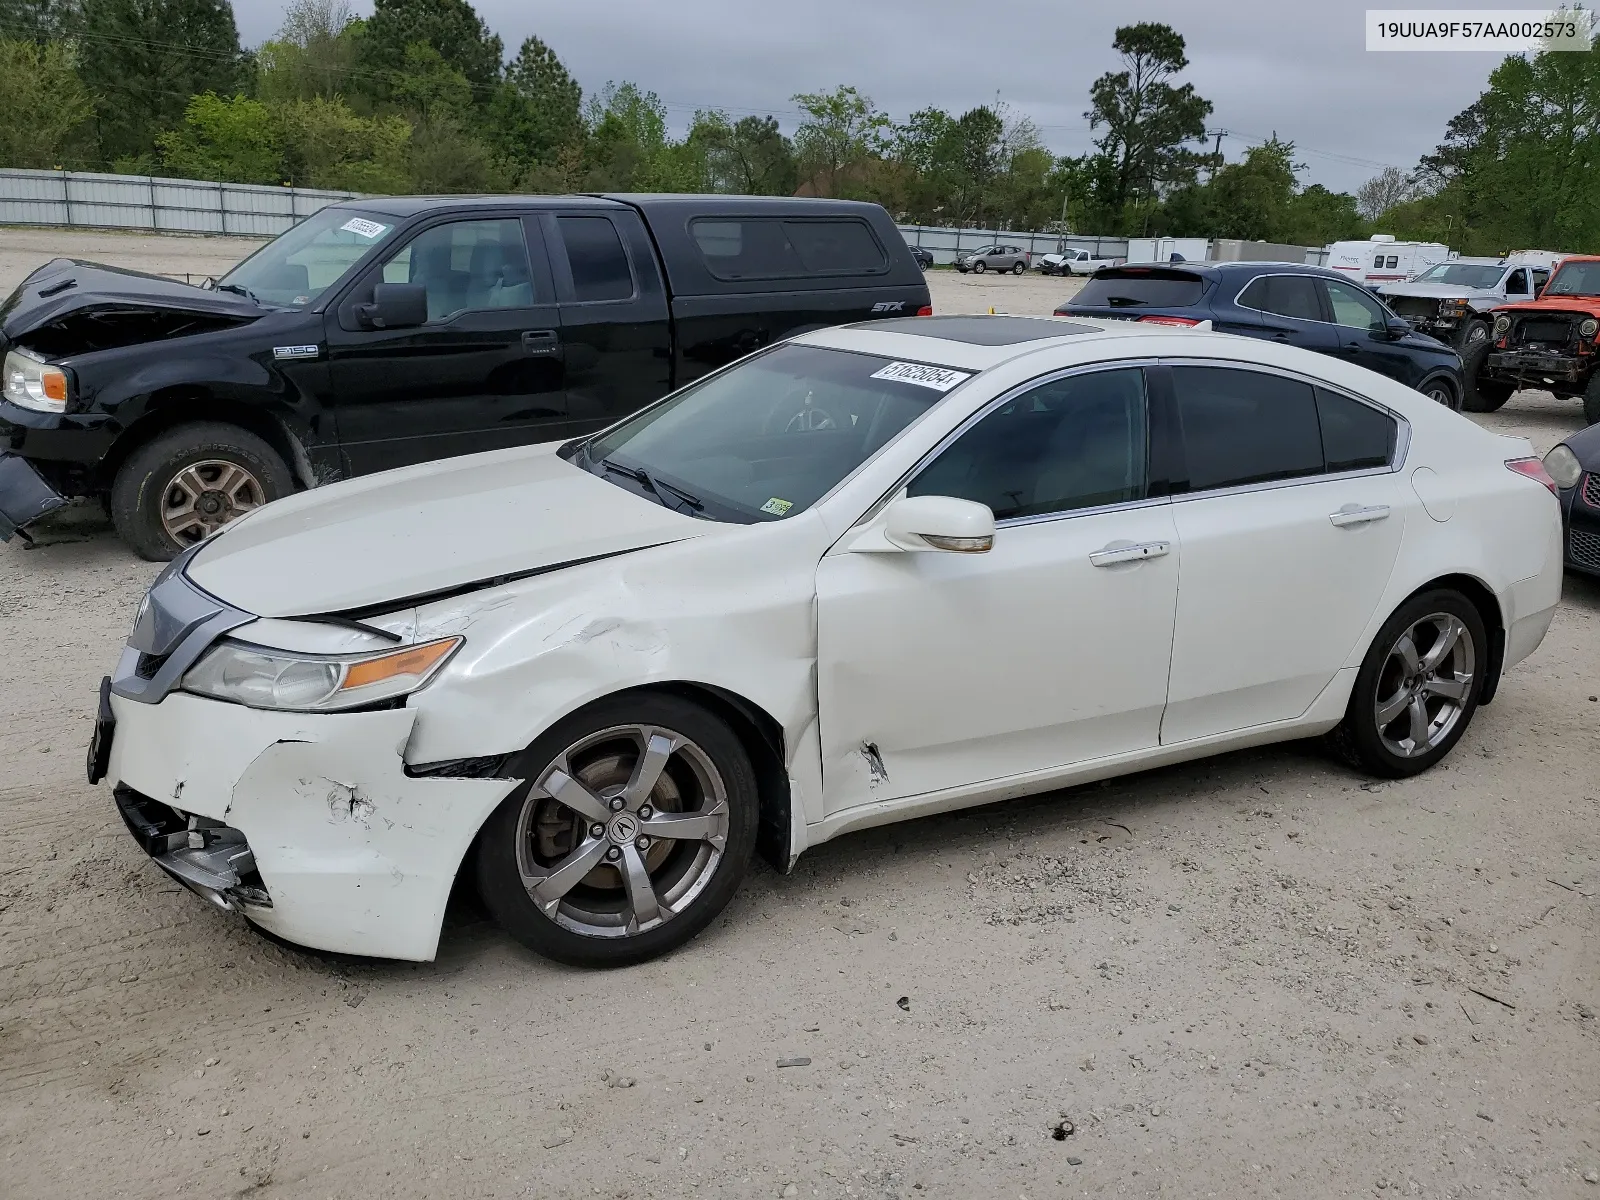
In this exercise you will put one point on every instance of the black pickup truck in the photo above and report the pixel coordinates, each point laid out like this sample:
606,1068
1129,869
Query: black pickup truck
384,332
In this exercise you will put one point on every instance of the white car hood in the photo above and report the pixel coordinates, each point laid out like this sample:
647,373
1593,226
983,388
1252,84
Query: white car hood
426,529
1439,291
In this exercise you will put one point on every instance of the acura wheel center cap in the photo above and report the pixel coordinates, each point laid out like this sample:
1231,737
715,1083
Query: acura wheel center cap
624,828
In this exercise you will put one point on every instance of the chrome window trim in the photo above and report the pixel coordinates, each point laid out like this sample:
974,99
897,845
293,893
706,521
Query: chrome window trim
1249,283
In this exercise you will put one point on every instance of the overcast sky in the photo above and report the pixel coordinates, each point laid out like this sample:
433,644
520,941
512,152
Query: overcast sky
1297,68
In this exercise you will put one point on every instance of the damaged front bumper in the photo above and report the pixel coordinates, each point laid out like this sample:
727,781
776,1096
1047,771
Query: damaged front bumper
24,496
307,824
1542,366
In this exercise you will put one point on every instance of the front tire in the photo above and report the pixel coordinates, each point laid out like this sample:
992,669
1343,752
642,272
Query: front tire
185,484
635,828
1473,334
979,267
1482,395
1418,687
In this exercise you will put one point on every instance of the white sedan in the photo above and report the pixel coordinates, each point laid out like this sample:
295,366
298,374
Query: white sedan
872,573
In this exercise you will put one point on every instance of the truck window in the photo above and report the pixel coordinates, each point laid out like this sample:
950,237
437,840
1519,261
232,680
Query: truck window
772,248
1540,278
599,264
466,265
1517,282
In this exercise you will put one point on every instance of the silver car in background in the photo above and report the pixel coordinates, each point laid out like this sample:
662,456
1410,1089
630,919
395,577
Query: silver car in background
994,258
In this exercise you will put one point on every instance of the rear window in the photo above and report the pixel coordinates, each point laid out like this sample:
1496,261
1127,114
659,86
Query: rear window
1141,288
736,248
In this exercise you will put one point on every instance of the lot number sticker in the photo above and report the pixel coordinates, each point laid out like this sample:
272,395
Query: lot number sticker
777,507
363,227
940,379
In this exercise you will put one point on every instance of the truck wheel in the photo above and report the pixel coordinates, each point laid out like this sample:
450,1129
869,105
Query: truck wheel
1473,333
1482,395
187,483
1591,401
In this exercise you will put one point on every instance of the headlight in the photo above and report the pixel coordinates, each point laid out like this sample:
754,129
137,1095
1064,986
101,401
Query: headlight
1502,326
262,677
1453,307
32,383
1588,328
1563,466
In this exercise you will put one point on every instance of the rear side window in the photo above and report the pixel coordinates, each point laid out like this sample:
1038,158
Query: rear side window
599,263
738,248
1242,427
1355,437
1153,288
1283,295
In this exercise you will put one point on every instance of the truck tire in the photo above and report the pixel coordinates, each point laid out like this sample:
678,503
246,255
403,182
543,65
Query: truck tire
1482,395
188,482
1473,333
1591,401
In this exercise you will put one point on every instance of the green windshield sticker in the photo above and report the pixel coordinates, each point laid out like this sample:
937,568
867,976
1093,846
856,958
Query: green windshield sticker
777,507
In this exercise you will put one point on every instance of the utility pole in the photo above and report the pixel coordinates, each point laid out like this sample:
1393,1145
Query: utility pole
1216,152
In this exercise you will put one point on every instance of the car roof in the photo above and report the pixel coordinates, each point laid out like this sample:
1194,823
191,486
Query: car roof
410,206
976,342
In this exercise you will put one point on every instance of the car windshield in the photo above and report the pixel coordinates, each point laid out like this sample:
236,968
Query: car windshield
296,267
770,436
1472,275
1575,279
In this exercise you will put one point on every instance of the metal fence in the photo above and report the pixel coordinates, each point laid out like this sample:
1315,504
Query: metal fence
94,201
946,245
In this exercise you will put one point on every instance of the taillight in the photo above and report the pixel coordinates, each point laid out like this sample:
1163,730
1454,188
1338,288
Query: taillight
1156,320
1533,468
925,311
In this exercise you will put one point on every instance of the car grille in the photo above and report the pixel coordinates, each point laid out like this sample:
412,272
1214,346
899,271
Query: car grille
1591,490
1544,333
1413,306
1584,549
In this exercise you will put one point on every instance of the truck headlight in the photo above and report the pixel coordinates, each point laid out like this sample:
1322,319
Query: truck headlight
263,677
1502,326
33,383
1563,466
1452,308
1588,328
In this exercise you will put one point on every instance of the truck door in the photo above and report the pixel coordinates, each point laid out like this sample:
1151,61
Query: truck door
616,333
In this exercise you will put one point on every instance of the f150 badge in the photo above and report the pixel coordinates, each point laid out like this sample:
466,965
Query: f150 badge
889,306
281,352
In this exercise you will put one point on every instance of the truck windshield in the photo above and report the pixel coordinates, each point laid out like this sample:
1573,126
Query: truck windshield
766,439
296,267
1575,279
1471,275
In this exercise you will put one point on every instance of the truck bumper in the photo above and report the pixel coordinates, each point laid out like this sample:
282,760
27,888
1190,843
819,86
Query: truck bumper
1538,366
24,496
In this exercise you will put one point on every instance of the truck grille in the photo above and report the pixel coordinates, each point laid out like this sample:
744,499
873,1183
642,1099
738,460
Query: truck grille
1413,306
1591,490
1584,549
1543,333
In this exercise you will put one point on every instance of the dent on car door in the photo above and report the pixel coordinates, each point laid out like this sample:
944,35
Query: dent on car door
474,376
1289,526
942,670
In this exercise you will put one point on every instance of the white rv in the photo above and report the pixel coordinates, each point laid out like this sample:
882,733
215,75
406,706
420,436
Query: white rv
1382,259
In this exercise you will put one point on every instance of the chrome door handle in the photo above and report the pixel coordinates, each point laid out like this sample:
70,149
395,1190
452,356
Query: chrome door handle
1114,554
1354,514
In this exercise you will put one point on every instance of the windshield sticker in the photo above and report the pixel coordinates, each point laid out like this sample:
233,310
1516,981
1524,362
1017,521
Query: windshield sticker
777,507
364,227
940,379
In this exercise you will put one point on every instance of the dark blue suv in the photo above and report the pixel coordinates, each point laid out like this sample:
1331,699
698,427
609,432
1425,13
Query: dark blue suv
1310,307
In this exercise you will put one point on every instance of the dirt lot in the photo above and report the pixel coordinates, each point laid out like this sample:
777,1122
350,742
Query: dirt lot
1255,976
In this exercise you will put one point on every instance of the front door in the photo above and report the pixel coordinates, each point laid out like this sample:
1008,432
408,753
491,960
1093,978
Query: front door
939,670
1289,531
482,373
1361,326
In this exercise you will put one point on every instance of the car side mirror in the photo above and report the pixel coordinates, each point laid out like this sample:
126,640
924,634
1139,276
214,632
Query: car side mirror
395,306
938,523
1395,329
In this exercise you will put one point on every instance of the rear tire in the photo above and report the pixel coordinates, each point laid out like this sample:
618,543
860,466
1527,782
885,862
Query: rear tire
1418,686
1441,392
1018,268
219,471
1591,401
1482,395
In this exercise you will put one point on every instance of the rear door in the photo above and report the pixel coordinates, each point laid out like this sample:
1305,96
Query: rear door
1279,308
616,334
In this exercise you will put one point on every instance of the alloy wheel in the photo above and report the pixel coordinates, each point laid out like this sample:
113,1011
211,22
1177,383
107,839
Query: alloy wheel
205,496
1440,394
1424,685
622,831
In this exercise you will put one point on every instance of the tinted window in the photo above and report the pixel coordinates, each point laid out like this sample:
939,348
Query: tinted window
599,264
1517,282
768,248
1285,295
1244,427
1074,443
1354,435
1354,307
466,266
1393,261
1540,278
1141,288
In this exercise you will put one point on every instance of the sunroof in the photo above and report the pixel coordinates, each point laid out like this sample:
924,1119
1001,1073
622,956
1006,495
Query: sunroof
982,331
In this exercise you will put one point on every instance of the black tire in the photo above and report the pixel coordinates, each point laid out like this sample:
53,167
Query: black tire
141,489
1472,334
1442,392
1482,395
979,267
1591,401
500,876
1359,737
1018,267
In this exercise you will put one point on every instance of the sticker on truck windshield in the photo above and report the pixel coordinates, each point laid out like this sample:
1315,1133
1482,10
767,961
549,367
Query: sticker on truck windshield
777,507
364,227
940,379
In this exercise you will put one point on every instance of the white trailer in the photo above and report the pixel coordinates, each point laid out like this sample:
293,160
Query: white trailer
1154,250
1383,259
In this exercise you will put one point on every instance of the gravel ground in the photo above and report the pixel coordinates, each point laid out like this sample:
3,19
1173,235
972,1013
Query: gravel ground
1255,976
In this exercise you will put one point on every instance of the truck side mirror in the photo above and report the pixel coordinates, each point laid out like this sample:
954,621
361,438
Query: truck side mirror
395,306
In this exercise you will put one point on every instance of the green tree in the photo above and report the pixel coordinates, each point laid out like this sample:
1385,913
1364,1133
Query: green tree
1148,121
232,139
146,58
536,110
326,145
451,27
842,133
46,105
313,54
627,147
749,157
38,20
429,86
1318,216
446,158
